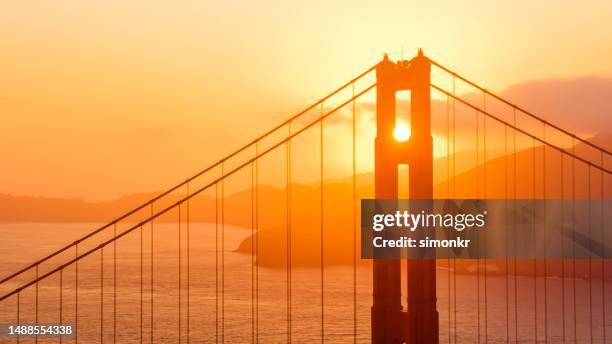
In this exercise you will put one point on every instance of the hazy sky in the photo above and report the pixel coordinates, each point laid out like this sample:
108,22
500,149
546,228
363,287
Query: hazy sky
102,98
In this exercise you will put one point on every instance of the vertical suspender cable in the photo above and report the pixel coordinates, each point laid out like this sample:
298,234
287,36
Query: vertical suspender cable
562,250
257,243
354,200
448,192
448,180
590,270
223,252
19,320
288,195
188,265
478,196
544,234
216,263
535,242
574,236
322,232
253,253
603,240
180,251
102,294
115,283
544,231
141,283
454,196
484,166
516,338
506,233
477,155
61,298
151,277
76,293
454,141
36,310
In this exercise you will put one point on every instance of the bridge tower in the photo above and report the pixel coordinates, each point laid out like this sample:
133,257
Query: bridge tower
390,322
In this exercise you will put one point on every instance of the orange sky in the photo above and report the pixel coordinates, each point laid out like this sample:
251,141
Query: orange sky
100,99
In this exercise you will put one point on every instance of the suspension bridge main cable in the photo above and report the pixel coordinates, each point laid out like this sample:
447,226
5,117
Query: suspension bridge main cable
530,114
572,154
488,114
195,176
193,194
153,216
546,143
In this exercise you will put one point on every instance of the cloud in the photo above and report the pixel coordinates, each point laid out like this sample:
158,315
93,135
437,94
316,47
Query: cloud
582,105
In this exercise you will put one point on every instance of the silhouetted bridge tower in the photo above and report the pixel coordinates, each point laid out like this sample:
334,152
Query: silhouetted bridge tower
419,322
118,276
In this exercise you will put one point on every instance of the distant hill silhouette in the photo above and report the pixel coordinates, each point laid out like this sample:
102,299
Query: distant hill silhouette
338,212
47,209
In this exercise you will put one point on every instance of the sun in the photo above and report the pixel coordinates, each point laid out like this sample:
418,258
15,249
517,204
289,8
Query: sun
401,133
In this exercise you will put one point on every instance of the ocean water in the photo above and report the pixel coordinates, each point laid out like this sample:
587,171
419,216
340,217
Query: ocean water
216,299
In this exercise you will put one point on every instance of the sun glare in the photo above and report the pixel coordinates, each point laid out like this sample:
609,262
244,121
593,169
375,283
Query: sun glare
401,133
